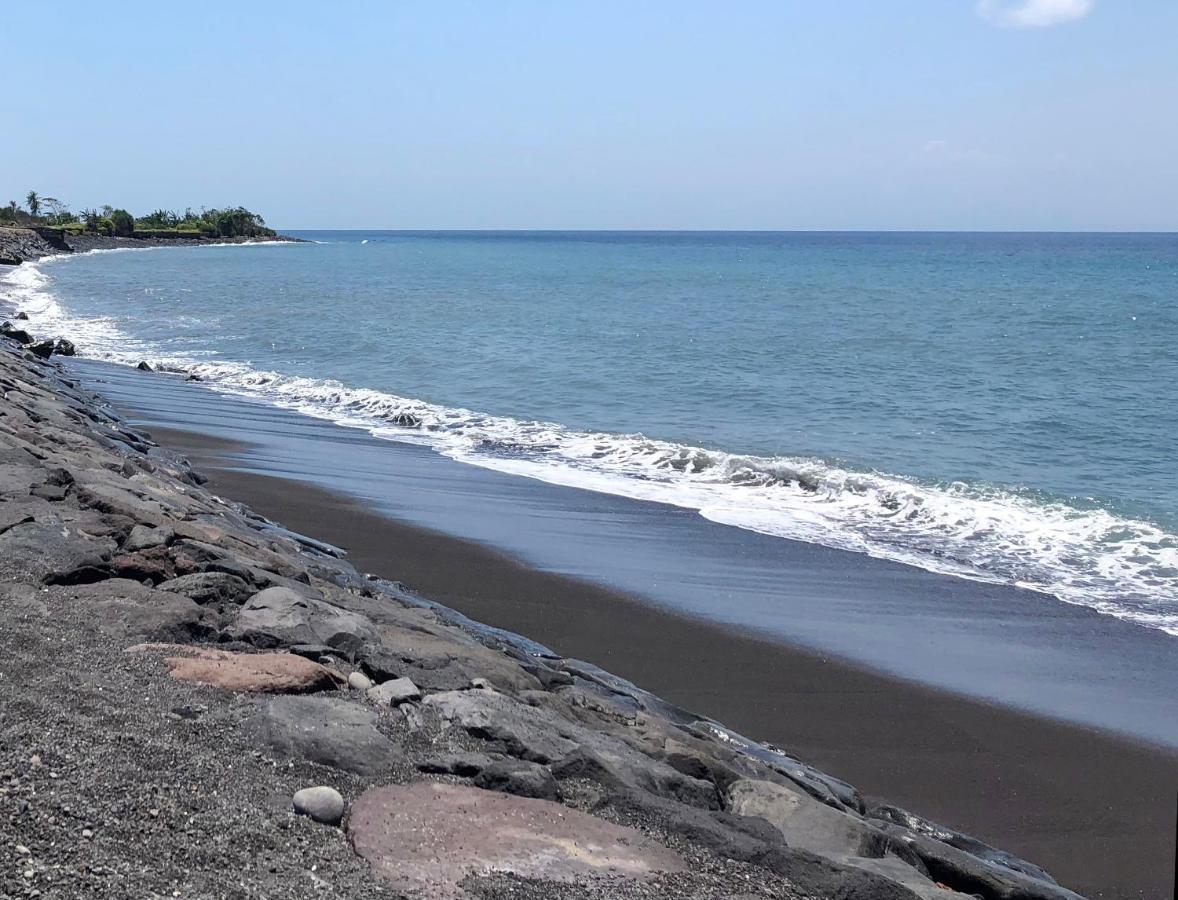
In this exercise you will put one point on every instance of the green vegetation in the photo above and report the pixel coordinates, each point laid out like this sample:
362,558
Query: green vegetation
230,222
122,222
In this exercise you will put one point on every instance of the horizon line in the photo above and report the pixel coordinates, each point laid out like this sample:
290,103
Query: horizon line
587,230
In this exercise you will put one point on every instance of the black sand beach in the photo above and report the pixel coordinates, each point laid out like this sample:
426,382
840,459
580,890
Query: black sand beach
1093,808
1093,805
202,702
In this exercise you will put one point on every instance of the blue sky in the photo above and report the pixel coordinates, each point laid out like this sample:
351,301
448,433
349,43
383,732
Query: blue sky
791,114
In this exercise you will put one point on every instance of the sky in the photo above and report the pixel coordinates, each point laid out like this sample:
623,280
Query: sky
751,114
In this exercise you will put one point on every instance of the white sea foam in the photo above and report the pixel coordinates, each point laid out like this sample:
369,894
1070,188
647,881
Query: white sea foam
1120,566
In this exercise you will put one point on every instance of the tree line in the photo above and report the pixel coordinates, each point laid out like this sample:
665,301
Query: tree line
50,212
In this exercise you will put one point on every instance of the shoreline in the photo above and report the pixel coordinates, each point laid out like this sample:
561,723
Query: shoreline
1008,777
1016,648
287,669
21,245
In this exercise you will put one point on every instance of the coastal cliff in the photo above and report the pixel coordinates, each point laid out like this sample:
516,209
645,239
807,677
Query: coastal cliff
200,702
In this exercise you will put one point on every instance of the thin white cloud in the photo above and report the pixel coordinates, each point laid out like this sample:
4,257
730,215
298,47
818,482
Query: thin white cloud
1033,13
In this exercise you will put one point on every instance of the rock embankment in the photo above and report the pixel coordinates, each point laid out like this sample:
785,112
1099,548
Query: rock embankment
19,245
198,702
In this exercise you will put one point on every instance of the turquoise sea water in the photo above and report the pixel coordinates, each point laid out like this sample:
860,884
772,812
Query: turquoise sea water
995,406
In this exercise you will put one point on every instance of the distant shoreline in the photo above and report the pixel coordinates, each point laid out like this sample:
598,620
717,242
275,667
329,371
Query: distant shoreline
20,245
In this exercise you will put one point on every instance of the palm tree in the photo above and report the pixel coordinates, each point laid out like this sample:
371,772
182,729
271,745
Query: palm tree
34,202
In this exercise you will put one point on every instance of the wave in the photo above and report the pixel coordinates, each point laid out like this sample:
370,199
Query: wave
1092,557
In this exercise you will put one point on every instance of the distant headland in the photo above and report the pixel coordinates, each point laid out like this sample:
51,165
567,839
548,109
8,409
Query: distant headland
45,225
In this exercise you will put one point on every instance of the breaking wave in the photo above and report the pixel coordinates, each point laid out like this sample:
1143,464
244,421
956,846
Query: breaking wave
1092,557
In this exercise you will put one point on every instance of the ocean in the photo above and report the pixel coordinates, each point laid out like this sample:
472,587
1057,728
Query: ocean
1001,408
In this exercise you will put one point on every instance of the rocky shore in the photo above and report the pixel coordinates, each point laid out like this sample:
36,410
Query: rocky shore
199,702
19,245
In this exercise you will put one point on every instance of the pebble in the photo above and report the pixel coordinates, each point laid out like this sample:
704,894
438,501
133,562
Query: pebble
358,681
87,833
321,804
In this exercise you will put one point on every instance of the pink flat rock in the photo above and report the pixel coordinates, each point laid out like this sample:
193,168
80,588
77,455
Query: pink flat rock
426,837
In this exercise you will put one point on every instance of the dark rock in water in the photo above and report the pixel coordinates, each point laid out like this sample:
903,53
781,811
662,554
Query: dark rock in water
324,730
519,777
15,334
144,367
22,316
194,377
42,349
65,348
9,261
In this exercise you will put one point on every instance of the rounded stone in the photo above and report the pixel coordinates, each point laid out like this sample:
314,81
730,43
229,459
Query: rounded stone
321,804
358,681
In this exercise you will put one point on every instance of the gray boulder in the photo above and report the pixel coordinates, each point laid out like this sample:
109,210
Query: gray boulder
144,537
523,731
328,731
519,777
54,553
892,815
393,693
622,769
279,616
208,588
129,611
972,876
807,824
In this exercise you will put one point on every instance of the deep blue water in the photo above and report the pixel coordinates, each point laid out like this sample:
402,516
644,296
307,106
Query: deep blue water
996,406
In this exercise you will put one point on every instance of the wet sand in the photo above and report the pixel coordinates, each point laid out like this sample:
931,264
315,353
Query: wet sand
1094,808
